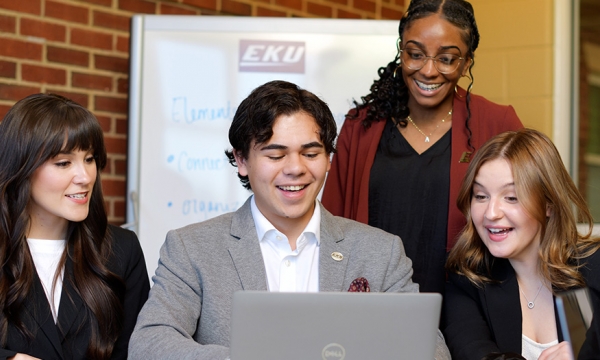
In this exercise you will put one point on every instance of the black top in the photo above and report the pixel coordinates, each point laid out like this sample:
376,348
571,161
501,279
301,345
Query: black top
479,320
70,336
408,197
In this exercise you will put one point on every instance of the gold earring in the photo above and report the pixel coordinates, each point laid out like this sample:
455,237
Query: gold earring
396,69
456,91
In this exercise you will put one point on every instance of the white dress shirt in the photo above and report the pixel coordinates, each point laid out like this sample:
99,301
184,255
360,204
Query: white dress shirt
289,270
46,255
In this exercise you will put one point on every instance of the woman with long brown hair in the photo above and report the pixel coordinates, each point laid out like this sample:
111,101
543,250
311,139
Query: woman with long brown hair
71,285
520,247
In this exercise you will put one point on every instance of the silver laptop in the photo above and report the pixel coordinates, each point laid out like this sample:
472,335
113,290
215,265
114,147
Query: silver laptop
575,315
334,325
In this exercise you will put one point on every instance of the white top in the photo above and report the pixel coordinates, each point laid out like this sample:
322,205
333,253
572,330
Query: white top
287,270
531,350
46,255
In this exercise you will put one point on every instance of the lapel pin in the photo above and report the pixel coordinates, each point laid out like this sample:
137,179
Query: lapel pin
466,157
337,256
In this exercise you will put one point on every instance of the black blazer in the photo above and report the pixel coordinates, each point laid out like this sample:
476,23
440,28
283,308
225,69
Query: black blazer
478,321
69,337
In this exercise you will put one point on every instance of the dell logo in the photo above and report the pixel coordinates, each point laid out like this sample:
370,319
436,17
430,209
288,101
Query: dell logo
272,56
333,351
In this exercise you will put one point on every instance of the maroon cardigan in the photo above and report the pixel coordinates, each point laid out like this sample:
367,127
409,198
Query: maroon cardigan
346,191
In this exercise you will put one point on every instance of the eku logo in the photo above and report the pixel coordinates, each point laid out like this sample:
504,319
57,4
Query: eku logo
272,56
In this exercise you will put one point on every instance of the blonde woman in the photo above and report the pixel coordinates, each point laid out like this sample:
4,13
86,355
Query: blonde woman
519,248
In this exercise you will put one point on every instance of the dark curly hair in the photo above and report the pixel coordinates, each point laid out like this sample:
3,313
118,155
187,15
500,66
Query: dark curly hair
388,99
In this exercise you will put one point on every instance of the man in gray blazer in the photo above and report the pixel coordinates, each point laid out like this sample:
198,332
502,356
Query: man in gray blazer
281,239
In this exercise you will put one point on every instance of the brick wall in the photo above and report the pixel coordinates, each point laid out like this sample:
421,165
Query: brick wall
80,49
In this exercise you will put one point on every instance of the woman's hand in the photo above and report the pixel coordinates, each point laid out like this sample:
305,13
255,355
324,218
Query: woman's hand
20,356
561,351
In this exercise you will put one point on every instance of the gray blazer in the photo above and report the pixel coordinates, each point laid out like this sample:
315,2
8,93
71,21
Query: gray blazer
187,315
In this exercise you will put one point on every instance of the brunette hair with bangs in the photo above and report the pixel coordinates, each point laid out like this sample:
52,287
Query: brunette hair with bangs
543,186
35,130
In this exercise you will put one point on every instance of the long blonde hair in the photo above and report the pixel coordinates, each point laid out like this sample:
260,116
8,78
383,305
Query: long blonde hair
541,183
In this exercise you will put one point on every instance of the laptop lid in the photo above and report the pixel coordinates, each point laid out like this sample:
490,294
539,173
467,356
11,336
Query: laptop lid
334,325
575,316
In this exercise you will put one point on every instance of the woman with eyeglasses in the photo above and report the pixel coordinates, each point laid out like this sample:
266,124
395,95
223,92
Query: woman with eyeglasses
71,285
403,152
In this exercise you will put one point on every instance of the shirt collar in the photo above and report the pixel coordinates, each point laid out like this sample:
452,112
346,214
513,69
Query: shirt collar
263,225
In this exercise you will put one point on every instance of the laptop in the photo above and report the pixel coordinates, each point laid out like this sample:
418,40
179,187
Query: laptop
334,325
575,315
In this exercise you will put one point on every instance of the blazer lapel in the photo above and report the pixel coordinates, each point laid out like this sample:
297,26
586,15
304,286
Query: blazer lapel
38,308
332,266
502,299
71,304
244,250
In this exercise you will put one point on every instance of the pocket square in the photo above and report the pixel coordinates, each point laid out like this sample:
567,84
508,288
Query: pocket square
359,285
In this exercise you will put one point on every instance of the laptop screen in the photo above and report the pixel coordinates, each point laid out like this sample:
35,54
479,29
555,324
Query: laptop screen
575,316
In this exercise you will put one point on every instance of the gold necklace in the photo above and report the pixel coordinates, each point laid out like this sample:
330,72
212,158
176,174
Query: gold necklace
431,133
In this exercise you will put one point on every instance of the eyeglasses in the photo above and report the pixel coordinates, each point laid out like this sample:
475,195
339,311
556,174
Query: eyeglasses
444,63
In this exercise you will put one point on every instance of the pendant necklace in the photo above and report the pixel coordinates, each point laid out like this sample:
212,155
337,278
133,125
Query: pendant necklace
431,133
531,304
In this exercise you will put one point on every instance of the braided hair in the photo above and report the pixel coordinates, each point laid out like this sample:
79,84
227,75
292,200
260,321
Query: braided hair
388,99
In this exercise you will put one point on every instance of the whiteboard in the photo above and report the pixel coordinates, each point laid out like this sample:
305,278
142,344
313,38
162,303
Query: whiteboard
188,75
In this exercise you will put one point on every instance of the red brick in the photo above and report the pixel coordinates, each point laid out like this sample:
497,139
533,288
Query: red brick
43,29
105,122
122,126
8,69
120,167
138,6
67,12
111,21
81,99
123,44
319,10
28,6
343,14
21,49
3,110
175,10
115,145
293,4
119,208
342,2
92,39
107,3
203,4
392,14
110,104
8,24
260,11
123,85
16,92
67,56
365,5
43,74
111,63
89,81
236,7
112,187
399,2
